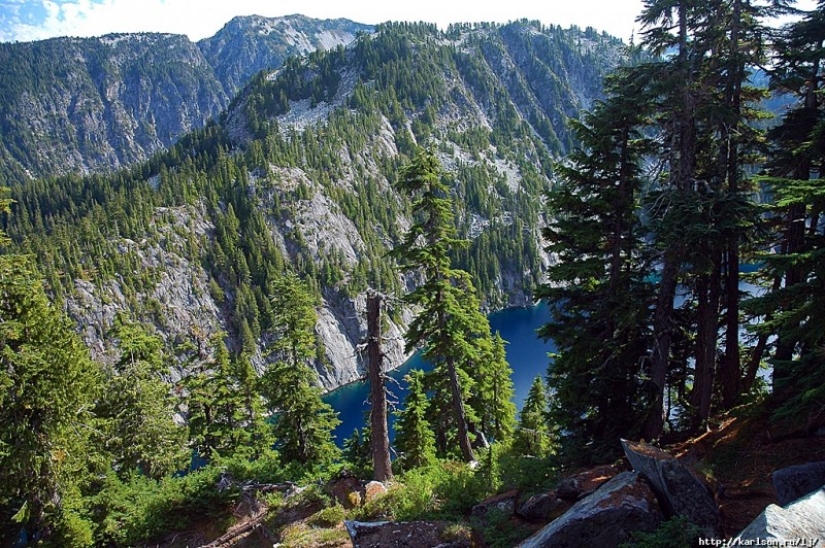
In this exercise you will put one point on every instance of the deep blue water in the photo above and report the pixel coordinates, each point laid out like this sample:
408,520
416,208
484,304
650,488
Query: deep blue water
526,353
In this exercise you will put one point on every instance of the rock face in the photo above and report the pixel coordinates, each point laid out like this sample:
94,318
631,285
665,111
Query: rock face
539,508
797,481
679,490
605,518
79,105
413,534
803,519
504,503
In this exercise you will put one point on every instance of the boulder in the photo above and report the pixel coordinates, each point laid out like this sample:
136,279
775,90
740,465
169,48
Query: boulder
541,507
794,482
346,491
582,484
374,490
504,503
679,490
568,489
413,534
803,519
606,518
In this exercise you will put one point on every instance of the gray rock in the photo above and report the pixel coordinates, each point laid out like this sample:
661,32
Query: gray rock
679,490
504,503
568,489
540,507
412,534
797,481
803,519
606,518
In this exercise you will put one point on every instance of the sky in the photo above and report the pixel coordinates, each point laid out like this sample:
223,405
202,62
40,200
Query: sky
25,20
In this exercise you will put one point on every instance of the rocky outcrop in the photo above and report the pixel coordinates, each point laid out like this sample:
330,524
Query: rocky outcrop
794,482
504,504
605,518
679,489
803,520
541,507
413,534
101,103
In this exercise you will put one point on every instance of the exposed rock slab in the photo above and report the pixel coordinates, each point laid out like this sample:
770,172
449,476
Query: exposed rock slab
540,507
678,488
413,534
794,482
504,503
605,518
803,519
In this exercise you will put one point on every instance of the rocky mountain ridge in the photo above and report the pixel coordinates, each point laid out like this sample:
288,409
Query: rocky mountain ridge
82,105
299,173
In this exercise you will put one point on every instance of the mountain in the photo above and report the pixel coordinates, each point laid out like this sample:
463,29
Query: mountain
80,105
298,173
252,43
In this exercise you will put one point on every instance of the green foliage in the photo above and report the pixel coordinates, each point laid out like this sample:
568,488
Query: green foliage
450,326
598,295
47,390
138,407
446,490
414,438
137,509
225,410
677,532
499,530
533,434
328,517
303,422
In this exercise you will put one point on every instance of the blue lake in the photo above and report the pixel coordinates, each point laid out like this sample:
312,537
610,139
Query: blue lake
526,353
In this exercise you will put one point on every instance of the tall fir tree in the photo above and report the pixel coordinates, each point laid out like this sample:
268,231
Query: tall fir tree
303,422
533,434
599,298
793,309
414,437
138,404
450,325
48,388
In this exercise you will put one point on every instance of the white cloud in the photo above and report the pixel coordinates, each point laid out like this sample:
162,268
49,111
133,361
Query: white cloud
202,18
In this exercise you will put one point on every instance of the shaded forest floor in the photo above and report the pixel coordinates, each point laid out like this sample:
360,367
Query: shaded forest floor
738,457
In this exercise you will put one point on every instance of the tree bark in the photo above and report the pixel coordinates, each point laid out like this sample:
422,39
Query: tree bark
379,431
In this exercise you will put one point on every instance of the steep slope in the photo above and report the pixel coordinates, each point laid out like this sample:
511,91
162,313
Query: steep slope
71,105
80,105
248,44
299,174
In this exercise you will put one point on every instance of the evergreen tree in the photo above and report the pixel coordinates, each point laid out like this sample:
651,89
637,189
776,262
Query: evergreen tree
450,325
414,438
225,414
303,422
142,434
48,386
793,308
492,399
598,296
532,436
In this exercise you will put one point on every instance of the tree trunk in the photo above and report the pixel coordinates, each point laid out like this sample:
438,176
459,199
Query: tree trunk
708,289
662,321
379,431
459,412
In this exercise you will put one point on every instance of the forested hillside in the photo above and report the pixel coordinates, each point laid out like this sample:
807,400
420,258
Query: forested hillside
221,281
298,174
81,105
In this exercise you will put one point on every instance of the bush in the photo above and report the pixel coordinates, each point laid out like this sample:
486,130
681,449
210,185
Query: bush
677,532
328,517
138,508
